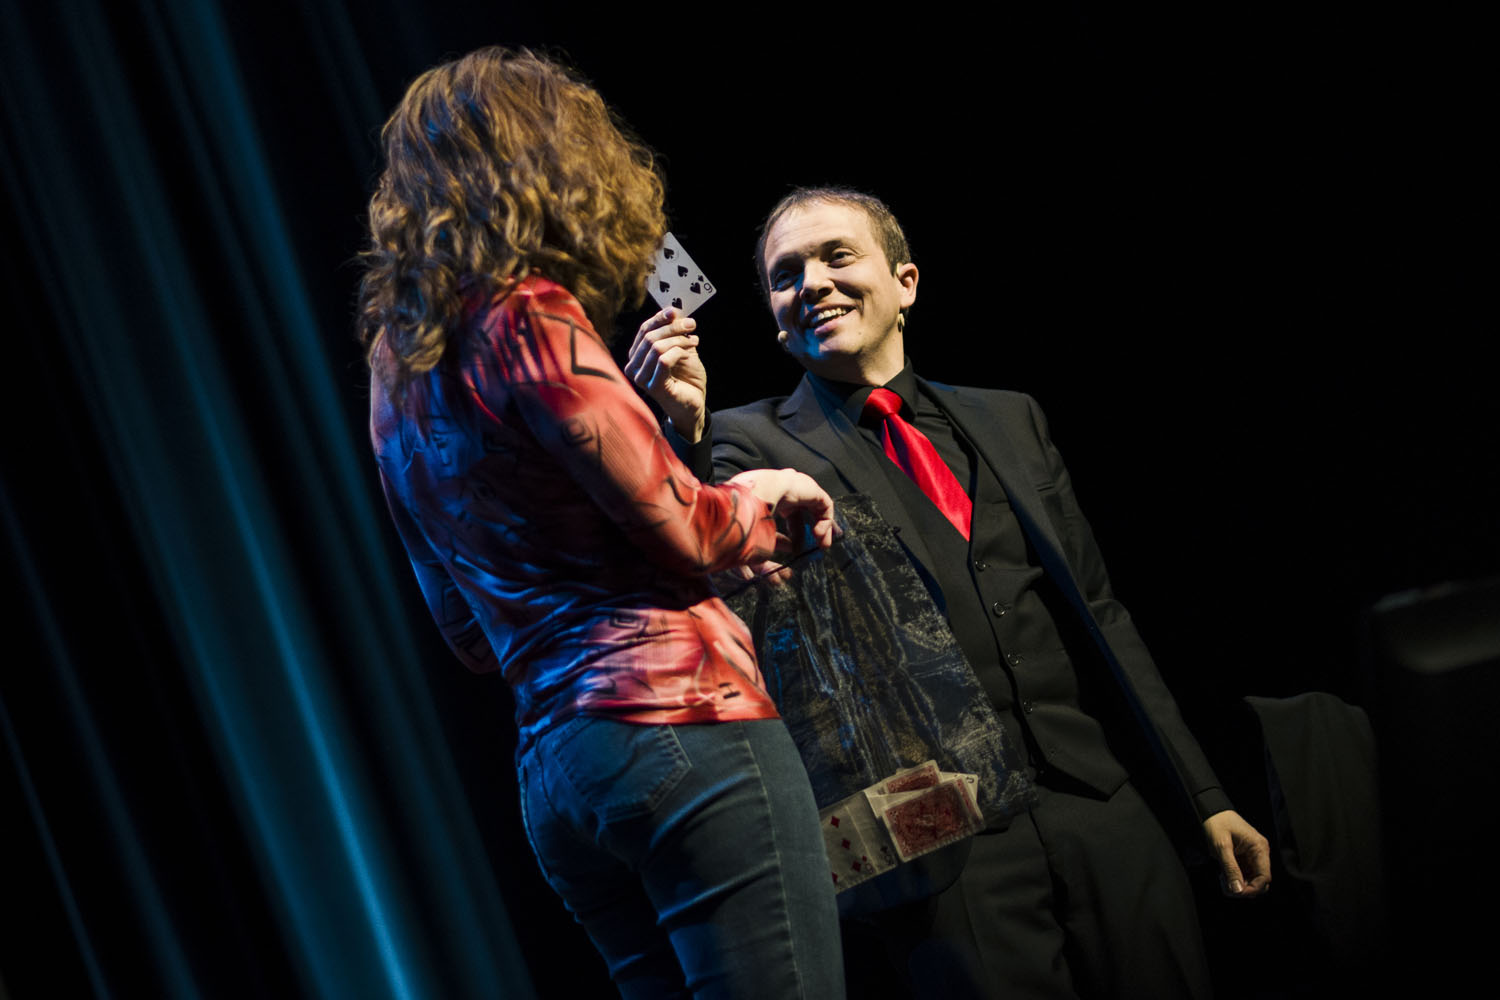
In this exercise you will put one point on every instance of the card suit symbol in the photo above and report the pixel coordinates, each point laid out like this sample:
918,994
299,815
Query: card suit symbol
681,271
834,821
855,866
695,288
676,303
668,252
663,286
846,843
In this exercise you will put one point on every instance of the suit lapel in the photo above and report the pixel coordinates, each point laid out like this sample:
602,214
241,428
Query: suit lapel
825,429
992,441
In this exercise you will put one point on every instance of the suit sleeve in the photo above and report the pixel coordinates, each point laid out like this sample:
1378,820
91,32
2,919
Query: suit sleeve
696,455
1119,631
723,452
583,410
734,449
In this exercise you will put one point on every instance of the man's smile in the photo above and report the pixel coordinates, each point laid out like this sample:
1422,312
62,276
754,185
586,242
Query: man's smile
816,320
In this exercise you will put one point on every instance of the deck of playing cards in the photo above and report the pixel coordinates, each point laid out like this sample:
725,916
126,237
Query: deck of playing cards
674,281
914,811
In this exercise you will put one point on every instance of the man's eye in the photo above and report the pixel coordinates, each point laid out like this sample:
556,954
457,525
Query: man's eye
841,257
780,280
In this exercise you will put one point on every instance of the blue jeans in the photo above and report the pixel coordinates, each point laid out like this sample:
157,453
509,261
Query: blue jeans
691,854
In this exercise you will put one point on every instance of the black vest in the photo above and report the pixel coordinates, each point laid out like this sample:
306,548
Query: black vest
1025,643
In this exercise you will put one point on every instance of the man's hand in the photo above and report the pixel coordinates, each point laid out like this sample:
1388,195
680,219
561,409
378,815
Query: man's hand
1244,856
664,363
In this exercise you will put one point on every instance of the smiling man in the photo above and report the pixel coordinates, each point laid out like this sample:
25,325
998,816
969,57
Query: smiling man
1084,895
840,304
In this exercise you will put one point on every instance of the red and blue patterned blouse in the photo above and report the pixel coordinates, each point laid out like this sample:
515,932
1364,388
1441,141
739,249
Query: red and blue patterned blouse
553,532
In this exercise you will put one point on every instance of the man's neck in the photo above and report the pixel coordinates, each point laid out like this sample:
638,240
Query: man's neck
851,396
859,372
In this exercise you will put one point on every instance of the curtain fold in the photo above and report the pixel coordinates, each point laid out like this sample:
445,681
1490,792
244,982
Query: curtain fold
227,416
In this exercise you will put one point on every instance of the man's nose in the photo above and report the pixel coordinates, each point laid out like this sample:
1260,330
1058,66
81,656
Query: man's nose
817,281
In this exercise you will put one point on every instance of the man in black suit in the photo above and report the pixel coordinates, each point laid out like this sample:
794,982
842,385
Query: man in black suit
1084,895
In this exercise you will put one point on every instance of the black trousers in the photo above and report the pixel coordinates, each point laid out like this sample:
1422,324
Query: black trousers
1081,897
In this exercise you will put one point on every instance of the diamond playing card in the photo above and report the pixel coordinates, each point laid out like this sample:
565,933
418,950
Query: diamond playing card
675,281
858,849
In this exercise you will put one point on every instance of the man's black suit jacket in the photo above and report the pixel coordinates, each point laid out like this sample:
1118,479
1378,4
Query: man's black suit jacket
1009,432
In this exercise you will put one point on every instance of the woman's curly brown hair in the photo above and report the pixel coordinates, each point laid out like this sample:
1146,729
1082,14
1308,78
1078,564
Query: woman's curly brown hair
499,164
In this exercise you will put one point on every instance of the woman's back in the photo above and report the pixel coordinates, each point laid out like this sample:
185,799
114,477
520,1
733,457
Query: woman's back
553,517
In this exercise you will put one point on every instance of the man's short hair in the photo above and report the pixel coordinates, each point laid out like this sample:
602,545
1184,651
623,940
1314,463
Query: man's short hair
887,230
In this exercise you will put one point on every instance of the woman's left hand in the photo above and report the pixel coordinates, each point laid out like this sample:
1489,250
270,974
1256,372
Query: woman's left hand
664,364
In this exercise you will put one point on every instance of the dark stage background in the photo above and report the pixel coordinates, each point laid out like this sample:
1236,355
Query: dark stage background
1235,256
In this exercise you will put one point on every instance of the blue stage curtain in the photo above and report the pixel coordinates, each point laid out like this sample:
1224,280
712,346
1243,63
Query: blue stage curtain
228,764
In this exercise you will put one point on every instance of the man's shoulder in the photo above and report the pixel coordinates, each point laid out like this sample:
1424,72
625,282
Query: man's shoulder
768,410
1001,400
761,409
759,416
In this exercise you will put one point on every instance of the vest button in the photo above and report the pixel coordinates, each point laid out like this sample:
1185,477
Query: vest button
979,566
1001,609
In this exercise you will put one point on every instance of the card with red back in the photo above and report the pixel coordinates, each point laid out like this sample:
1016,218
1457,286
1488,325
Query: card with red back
924,775
932,818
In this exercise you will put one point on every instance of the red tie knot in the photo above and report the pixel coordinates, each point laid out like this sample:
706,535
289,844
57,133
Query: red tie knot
883,403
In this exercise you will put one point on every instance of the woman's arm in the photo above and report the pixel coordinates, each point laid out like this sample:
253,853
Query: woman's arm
452,613
583,410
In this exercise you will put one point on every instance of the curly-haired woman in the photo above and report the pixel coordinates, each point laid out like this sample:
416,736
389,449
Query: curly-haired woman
557,539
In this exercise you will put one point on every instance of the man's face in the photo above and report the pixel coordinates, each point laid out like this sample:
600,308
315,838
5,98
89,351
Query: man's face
833,293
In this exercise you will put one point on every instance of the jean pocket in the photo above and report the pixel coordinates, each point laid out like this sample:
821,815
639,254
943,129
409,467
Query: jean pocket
619,770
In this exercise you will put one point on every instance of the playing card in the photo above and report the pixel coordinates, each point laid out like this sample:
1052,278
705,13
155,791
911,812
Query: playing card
931,818
675,281
916,810
857,848
924,775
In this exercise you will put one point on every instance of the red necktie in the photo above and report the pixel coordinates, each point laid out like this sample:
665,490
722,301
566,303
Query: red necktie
910,449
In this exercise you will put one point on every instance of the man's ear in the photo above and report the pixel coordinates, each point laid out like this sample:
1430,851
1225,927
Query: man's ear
906,276
781,338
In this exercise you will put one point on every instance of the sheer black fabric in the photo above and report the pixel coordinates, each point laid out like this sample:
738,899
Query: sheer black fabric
868,675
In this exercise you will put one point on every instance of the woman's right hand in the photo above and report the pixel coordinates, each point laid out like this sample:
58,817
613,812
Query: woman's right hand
799,500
